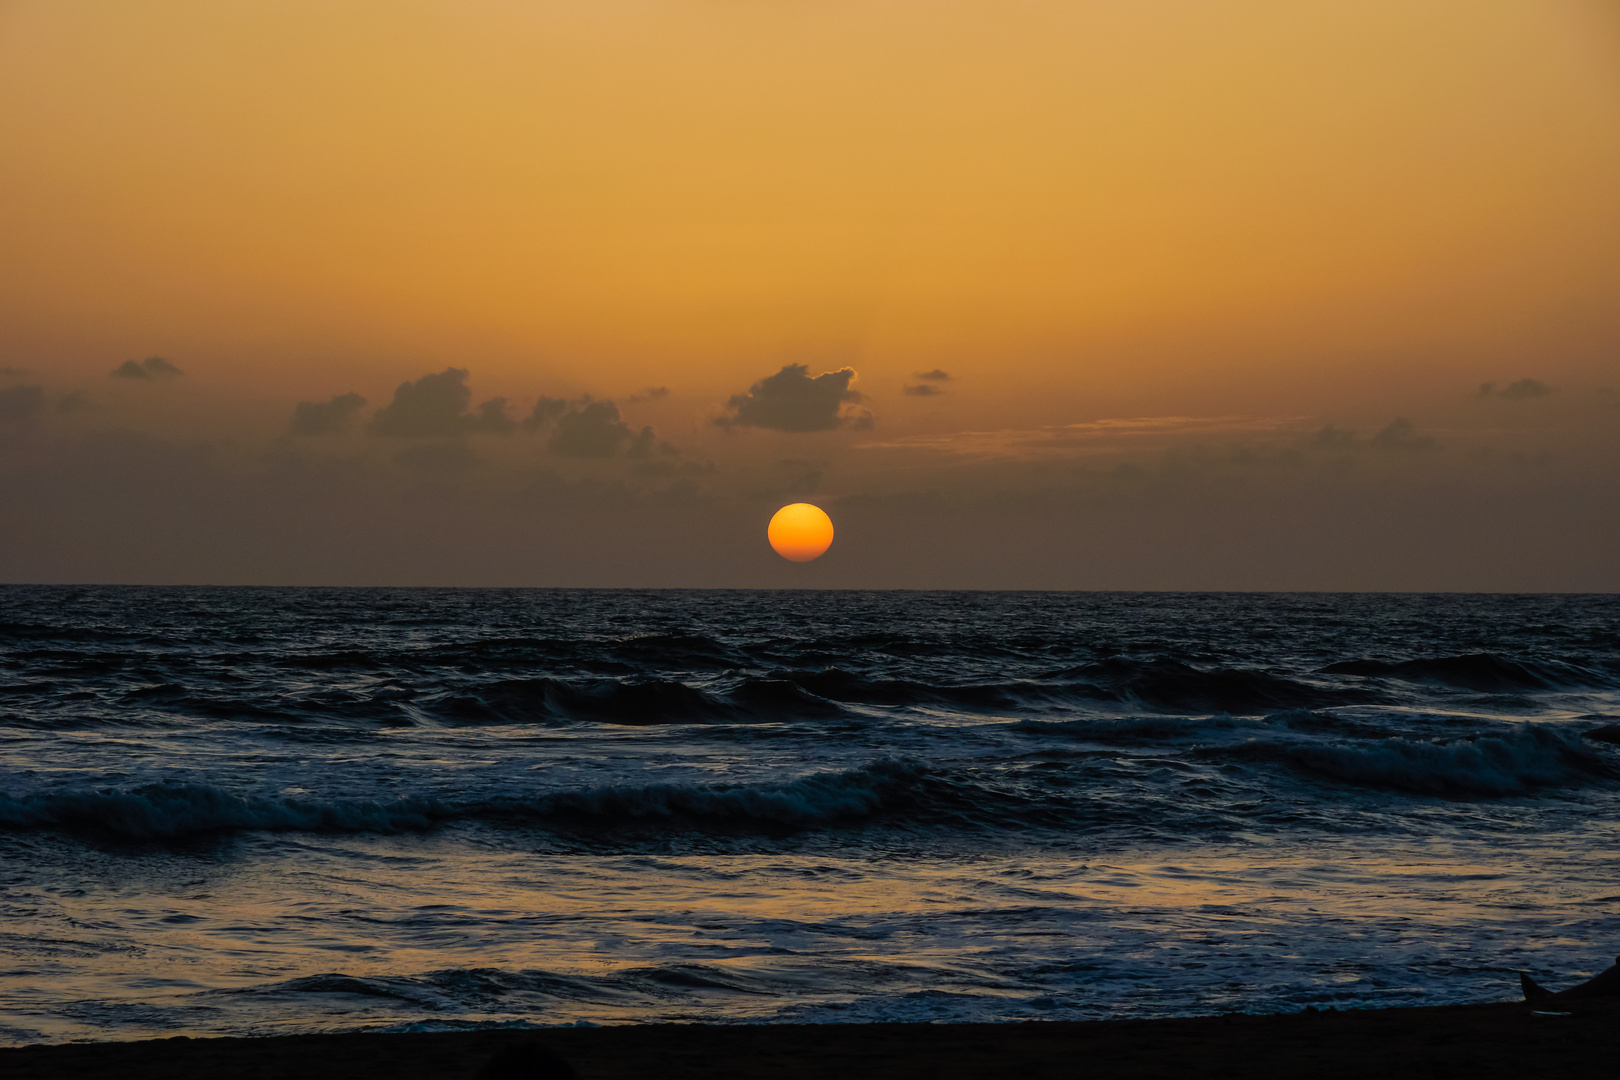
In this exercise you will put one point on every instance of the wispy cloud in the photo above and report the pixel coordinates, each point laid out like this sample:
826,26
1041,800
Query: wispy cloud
153,367
1522,390
1094,436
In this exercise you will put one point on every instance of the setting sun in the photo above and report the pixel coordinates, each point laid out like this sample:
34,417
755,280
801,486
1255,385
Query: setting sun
800,532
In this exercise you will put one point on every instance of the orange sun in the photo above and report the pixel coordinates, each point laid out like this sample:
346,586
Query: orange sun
800,532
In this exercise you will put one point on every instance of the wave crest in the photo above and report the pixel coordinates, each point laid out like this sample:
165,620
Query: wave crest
1491,766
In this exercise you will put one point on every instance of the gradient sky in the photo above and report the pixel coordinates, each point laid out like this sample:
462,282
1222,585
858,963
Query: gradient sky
1203,294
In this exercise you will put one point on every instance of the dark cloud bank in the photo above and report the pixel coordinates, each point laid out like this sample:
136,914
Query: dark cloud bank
110,507
415,498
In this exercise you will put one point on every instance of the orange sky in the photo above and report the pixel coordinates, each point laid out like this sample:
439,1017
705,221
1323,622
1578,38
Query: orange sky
1254,216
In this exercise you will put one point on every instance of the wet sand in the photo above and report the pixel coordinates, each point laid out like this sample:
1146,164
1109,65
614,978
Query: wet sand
1472,1041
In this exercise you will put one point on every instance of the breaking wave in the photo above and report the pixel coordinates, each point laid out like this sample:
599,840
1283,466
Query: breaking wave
170,810
1530,758
1175,686
1480,671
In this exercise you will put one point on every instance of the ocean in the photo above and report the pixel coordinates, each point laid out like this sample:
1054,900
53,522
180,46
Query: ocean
259,811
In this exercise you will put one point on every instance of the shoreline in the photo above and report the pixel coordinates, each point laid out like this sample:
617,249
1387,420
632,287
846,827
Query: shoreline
1505,1039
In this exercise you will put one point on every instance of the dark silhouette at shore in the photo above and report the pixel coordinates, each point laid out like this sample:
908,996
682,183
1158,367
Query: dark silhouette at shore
1603,988
1500,1041
526,1061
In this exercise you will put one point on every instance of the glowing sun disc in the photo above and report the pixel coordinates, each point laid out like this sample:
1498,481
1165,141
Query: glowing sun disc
800,532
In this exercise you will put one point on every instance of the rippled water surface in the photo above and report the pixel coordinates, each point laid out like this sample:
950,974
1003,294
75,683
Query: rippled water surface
259,810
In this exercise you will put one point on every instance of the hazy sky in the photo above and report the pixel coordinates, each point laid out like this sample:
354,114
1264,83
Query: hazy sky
1026,293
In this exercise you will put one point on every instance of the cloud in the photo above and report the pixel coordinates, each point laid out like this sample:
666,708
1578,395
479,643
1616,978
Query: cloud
1526,388
326,417
593,429
435,406
1332,438
449,456
153,367
546,411
20,404
927,383
652,393
1082,439
13,372
793,400
491,416
1522,390
647,445
1401,434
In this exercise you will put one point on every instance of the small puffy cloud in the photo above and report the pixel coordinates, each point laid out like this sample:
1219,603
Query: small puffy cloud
593,429
153,367
546,411
435,406
20,404
326,417
1332,438
1526,388
451,455
647,445
491,416
794,400
937,375
1401,434
652,393
1522,390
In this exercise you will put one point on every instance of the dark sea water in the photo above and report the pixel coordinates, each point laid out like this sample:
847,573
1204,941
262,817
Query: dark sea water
272,810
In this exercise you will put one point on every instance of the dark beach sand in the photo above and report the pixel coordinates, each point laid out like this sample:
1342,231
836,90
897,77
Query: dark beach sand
1472,1041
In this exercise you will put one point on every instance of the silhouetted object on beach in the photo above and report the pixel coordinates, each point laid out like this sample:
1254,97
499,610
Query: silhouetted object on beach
526,1061
1603,988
